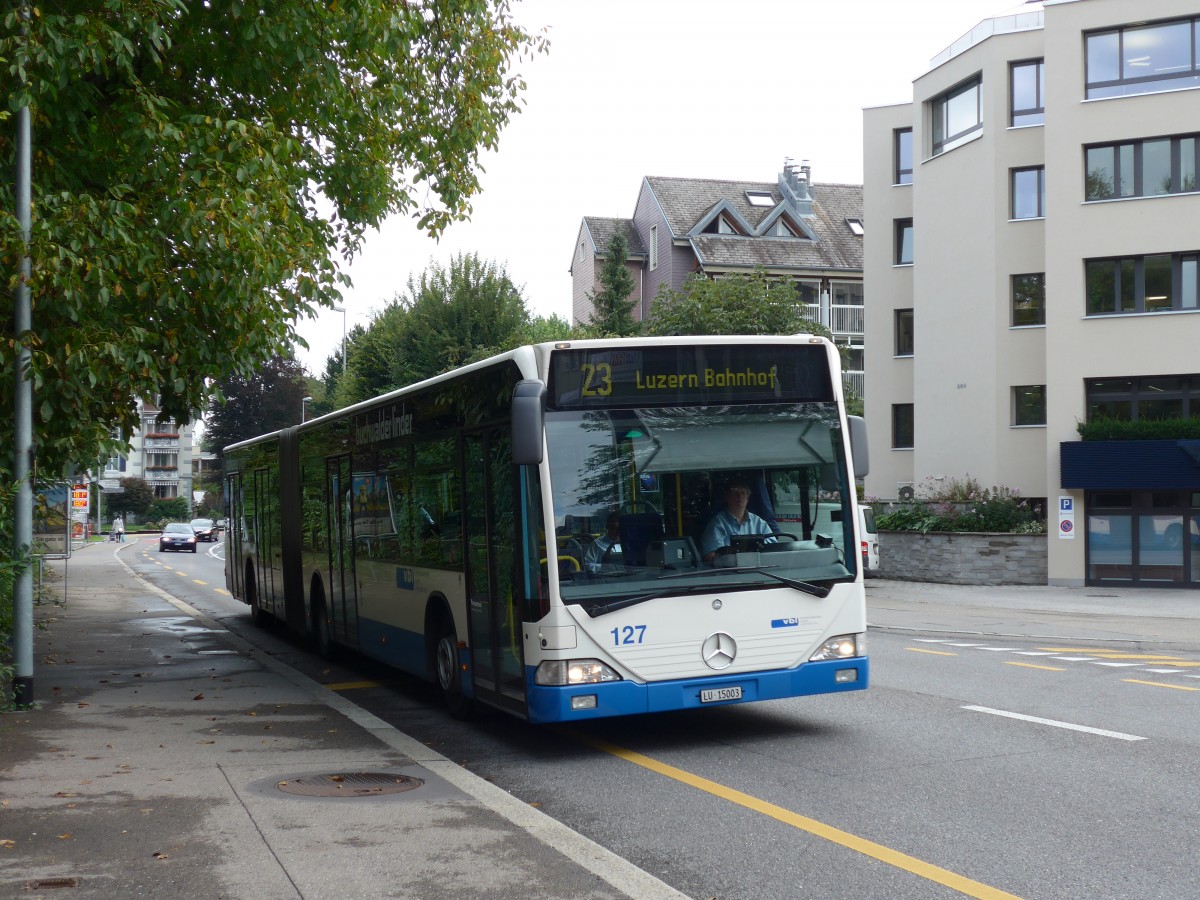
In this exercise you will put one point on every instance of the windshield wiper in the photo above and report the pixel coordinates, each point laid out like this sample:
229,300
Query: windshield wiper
817,590
624,602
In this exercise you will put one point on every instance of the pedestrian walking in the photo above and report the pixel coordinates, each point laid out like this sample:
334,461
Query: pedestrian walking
119,528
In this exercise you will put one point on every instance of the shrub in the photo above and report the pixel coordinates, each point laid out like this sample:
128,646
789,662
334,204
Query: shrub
1104,429
962,505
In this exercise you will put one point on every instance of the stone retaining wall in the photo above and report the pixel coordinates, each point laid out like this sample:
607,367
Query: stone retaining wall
963,558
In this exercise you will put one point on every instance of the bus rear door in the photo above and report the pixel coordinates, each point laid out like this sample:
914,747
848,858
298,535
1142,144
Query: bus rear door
343,605
491,536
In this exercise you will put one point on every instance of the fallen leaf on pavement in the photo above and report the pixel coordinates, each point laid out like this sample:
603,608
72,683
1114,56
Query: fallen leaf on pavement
7,844
199,697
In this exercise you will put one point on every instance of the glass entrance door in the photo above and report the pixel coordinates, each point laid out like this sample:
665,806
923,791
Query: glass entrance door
1147,538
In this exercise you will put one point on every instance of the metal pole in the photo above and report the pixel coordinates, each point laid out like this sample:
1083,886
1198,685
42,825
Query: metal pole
23,431
342,310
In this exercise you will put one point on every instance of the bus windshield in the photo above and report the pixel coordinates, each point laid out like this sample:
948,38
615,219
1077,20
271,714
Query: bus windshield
645,500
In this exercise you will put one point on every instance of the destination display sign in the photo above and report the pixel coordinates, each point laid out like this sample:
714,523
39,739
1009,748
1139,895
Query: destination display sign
691,375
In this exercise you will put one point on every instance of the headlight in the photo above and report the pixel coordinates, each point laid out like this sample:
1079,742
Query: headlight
844,646
574,671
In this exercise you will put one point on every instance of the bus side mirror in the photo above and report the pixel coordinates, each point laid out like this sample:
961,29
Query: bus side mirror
858,446
528,422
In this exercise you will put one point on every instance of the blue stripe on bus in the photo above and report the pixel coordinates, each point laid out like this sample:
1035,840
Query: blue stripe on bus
620,698
397,647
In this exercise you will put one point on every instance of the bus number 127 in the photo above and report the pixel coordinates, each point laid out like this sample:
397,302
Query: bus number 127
630,634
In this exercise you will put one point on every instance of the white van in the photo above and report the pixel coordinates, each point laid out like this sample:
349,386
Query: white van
870,539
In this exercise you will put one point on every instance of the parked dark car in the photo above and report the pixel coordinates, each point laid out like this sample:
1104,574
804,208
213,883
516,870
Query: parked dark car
205,529
177,536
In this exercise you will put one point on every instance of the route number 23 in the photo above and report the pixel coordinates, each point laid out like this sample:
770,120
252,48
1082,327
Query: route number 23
597,379
629,634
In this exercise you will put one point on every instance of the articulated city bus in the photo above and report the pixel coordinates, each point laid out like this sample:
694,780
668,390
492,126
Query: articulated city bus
452,528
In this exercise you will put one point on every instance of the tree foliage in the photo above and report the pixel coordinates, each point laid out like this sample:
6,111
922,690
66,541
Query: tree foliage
270,399
732,304
137,498
612,308
449,317
199,167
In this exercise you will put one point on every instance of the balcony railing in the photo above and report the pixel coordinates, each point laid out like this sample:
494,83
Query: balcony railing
854,382
840,318
160,475
158,442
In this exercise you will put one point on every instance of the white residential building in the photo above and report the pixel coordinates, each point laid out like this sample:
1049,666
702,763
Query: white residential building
1031,251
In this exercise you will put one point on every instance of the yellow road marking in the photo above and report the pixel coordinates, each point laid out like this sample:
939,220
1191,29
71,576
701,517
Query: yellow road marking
884,854
180,574
198,581
1108,654
1178,687
223,591
353,685
1033,666
934,652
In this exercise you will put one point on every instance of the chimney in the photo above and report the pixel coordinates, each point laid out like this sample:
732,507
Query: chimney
795,183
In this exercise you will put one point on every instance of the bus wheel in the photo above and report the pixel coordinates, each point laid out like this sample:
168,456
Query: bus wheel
258,617
322,639
449,675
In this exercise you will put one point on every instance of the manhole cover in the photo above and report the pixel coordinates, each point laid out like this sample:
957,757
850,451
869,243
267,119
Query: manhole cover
350,784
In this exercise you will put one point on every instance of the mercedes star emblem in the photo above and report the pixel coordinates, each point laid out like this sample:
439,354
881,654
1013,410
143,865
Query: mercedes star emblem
718,651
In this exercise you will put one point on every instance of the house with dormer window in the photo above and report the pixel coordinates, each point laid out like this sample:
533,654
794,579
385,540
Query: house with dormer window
810,234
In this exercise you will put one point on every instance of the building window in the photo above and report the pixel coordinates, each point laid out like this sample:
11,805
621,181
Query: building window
904,332
903,151
1148,397
902,426
1146,168
1029,299
904,242
957,115
760,198
653,247
1141,59
1029,193
781,229
582,253
855,226
1027,91
1029,404
1162,282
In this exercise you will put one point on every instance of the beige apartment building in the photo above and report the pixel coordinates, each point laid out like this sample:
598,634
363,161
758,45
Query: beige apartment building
1031,251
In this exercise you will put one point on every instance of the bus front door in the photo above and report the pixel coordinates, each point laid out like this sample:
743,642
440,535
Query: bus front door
491,536
343,607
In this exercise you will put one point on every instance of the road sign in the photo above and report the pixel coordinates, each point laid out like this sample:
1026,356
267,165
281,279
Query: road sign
1066,518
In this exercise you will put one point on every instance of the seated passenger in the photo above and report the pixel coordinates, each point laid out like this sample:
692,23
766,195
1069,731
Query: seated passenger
734,519
605,551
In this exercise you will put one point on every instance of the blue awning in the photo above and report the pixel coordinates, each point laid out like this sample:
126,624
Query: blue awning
1130,465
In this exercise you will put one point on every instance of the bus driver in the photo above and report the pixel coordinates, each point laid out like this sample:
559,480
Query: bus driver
734,519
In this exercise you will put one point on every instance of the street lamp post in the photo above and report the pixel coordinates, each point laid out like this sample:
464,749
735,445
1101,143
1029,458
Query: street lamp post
304,409
342,310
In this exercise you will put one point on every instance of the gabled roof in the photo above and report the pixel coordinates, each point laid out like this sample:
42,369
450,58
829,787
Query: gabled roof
602,231
686,201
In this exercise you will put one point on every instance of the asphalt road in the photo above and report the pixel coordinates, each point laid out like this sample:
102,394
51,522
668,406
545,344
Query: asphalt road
984,766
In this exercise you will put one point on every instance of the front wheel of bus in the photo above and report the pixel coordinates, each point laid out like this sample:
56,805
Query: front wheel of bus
449,675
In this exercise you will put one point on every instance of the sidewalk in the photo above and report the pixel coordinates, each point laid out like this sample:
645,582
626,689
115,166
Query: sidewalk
163,758
1167,619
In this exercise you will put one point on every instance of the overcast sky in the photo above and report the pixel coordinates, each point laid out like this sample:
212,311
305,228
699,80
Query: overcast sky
690,88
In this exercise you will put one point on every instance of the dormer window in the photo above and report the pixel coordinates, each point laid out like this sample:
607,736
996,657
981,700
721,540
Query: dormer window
721,225
781,228
760,198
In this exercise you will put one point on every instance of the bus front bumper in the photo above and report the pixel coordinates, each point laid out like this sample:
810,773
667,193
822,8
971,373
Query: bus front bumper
575,702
